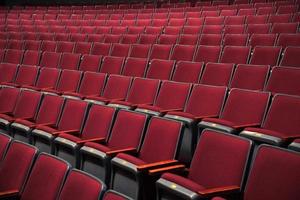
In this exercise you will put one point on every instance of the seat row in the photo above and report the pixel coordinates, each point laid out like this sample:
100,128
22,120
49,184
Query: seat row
62,42
108,161
261,55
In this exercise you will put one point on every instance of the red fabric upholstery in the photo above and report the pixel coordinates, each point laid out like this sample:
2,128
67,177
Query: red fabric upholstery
8,99
188,72
218,74
160,69
184,182
208,54
112,65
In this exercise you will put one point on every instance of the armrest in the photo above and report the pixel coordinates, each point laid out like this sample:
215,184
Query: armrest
157,164
207,116
115,152
247,125
170,110
166,169
219,191
45,124
9,193
91,140
68,131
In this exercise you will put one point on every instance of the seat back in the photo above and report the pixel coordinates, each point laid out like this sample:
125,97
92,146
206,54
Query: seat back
90,63
213,147
14,171
128,130
13,56
183,52
73,115
140,50
99,122
50,59
135,67
252,77
172,95
69,61
92,84
48,78
27,104
8,99
290,58
5,141
80,185
27,75
117,87
235,54
284,80
245,106
31,58
69,81
265,56
160,69
8,72
35,187
218,74
270,170
161,140
208,54
160,51
120,50
188,72
112,65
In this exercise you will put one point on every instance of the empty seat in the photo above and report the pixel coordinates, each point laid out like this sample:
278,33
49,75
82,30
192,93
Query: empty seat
50,59
286,39
135,67
129,39
69,61
142,91
205,176
147,39
121,138
120,50
4,144
94,38
218,74
188,72
212,29
14,171
112,65
172,96
116,88
167,39
281,18
68,82
208,53
284,28
65,47
21,128
92,84
13,56
102,49
136,29
287,9
160,51
235,40
8,72
193,30
205,100
160,69
266,157
234,29
265,55
214,21
183,52
290,57
48,46
284,80
31,58
256,19
262,40
74,188
110,194
32,45
27,75
235,54
234,20
159,147
188,39
109,38
153,29
70,121
140,50
14,44
252,77
90,63
210,39
243,108
34,188
25,108
82,47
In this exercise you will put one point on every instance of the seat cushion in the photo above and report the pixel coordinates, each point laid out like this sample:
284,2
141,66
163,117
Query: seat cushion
131,159
74,94
218,198
182,114
46,129
97,98
220,121
148,107
182,181
124,103
97,146
25,122
6,117
70,137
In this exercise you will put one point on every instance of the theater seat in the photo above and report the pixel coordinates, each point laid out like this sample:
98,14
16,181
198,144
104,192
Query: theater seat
111,194
270,170
21,128
96,129
4,144
129,173
280,126
243,108
126,136
206,177
70,122
81,186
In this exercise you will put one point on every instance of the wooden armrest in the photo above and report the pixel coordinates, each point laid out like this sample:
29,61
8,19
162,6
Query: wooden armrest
157,164
170,110
219,191
67,131
9,193
166,169
115,152
91,140
247,125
